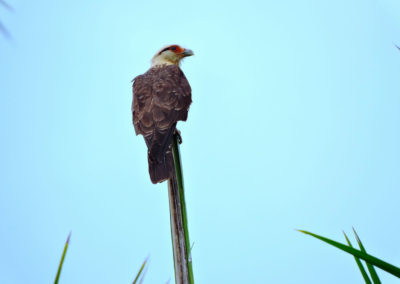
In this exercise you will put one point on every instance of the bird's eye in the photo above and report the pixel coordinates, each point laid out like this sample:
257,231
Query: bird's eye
173,48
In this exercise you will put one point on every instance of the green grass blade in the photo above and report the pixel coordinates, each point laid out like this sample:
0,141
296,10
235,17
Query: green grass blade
142,277
367,257
143,274
370,267
360,266
62,259
140,272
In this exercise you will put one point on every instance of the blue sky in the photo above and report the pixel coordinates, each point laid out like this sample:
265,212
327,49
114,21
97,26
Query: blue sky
294,124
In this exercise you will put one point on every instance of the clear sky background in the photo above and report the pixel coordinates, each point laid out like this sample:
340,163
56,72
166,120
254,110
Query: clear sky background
294,125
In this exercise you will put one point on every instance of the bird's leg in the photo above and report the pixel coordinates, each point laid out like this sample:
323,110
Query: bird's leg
178,133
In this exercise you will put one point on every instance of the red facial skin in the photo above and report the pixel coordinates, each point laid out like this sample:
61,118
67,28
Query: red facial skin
176,49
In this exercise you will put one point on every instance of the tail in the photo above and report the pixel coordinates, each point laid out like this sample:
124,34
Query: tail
161,168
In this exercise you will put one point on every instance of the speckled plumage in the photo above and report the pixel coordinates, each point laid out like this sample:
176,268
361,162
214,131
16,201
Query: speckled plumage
161,97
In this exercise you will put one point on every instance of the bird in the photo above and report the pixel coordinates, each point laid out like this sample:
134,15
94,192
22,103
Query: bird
161,97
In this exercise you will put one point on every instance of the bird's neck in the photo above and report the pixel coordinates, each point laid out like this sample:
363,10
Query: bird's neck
160,61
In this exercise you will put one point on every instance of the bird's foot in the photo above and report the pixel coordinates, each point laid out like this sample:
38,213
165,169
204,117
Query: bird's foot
178,134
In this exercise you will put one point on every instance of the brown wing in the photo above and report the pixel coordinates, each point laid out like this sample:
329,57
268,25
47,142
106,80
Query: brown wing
161,97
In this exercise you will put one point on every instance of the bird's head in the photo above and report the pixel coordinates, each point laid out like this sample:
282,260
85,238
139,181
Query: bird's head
169,55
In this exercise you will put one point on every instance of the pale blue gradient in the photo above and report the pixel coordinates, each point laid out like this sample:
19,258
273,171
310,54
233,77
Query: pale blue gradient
294,125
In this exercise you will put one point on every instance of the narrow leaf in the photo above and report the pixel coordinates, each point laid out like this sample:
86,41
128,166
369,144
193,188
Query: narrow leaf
367,257
360,266
62,259
370,267
140,271
143,274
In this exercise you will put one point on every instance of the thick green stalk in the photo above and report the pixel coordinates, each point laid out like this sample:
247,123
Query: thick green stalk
179,223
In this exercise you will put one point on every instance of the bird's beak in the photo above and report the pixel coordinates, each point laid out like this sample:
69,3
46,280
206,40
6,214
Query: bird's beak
187,52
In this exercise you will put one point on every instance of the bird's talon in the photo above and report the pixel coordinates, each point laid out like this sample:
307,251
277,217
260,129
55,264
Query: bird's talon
178,134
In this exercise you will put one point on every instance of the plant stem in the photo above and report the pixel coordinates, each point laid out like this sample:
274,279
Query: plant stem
179,224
